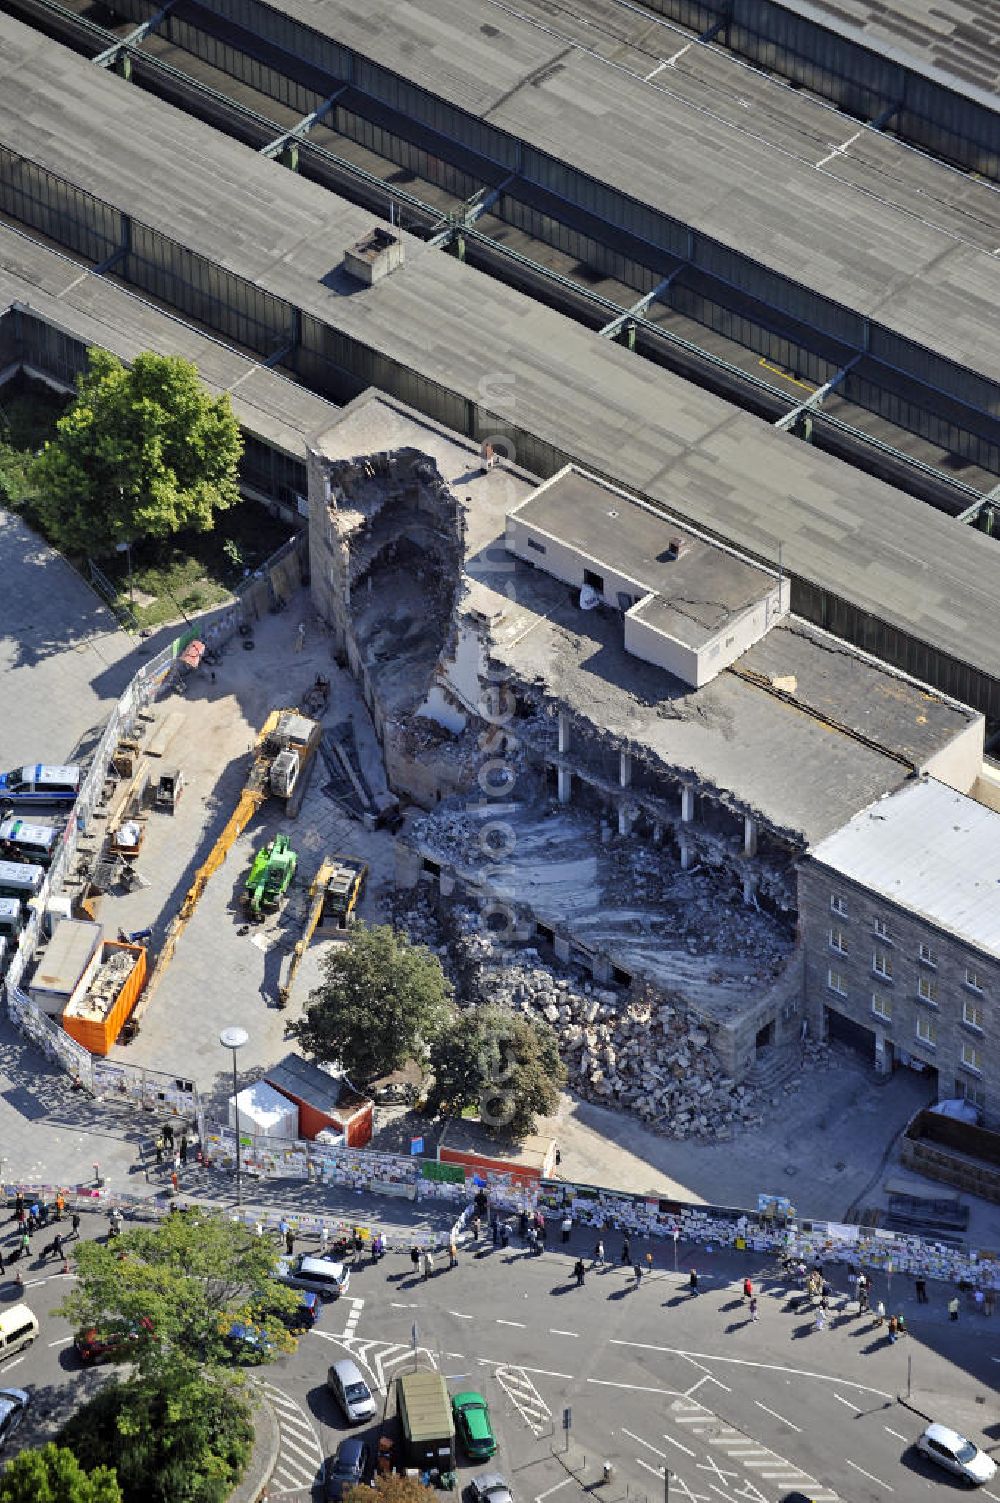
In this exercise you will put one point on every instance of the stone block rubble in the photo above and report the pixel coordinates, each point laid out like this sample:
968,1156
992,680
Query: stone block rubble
638,1051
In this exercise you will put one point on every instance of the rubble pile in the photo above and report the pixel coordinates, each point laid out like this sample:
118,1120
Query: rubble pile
637,1051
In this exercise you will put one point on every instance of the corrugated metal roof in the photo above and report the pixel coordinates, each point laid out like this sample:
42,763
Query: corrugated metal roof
931,850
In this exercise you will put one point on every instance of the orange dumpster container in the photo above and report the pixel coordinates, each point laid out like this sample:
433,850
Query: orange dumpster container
96,1019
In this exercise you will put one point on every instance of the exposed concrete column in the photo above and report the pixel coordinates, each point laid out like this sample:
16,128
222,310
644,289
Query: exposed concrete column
563,733
749,835
624,769
602,968
565,785
687,803
687,856
561,947
749,886
624,819
446,883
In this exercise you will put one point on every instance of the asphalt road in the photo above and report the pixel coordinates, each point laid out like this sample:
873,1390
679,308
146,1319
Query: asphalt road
738,1412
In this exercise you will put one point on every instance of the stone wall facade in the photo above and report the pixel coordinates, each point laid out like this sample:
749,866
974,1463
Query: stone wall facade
921,995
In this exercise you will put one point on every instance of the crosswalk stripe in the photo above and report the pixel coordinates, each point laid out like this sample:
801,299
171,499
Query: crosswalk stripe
290,1445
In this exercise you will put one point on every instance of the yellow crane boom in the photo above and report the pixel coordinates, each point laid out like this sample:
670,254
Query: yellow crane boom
317,894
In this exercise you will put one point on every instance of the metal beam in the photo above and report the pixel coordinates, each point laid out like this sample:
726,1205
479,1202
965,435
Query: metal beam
106,58
815,400
971,513
881,121
474,208
638,309
304,125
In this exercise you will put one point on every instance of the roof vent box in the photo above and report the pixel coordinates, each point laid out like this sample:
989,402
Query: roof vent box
374,256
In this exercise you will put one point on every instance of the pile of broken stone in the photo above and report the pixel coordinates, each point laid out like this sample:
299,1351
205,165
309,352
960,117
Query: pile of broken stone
637,1051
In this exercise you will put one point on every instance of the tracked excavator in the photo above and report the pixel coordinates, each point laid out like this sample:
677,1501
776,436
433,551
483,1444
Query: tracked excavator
335,893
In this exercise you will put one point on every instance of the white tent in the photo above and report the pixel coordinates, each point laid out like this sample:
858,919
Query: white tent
264,1112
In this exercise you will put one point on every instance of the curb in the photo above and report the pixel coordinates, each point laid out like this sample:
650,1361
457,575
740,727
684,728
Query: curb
263,1459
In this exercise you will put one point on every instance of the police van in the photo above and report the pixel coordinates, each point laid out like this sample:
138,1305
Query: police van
39,784
20,841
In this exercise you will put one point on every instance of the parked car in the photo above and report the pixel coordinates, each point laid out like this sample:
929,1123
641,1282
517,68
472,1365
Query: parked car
957,1455
96,1346
308,1312
349,1468
352,1393
472,1422
321,1275
13,1407
490,1487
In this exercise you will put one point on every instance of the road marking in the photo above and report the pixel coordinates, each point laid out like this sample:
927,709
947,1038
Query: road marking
847,1403
554,1489
774,1367
897,1435
526,1399
695,1386
838,151
861,1469
657,1471
288,1444
539,1372
678,1444
458,1314
775,1415
15,1363
670,1393
519,1323
658,69
397,1305
554,1332
641,1442
61,1342
671,60
710,1376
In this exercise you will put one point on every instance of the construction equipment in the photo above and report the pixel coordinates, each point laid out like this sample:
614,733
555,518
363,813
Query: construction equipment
317,696
169,787
283,730
336,889
271,874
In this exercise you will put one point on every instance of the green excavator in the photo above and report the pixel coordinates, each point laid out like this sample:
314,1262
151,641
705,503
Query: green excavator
270,876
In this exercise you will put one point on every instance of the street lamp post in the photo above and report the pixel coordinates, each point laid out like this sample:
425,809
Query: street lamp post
235,1038
126,548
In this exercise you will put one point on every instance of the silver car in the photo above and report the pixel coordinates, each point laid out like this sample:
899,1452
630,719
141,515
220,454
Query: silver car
490,1487
13,1407
957,1455
323,1276
351,1392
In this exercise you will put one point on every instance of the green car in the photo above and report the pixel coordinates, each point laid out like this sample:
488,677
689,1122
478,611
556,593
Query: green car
472,1421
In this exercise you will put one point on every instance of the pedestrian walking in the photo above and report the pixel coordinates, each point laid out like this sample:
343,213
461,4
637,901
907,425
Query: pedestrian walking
532,1240
25,1245
541,1234
505,1234
579,1272
57,1246
35,1215
60,1205
920,1289
452,1253
177,1162
626,1253
19,1206
819,1323
567,1226
175,1181
428,1263
649,1262
893,1328
168,1135
953,1308
183,1150
358,1243
415,1258
289,1241
599,1253
495,1227
863,1305
693,1281
158,1145
753,1307
522,1223
637,1270
475,1228
76,1223
43,1213
879,1314
747,1289
324,1237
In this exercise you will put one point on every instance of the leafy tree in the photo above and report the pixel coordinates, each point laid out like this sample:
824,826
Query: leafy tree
142,452
392,1488
382,999
189,1279
178,1435
52,1474
505,1063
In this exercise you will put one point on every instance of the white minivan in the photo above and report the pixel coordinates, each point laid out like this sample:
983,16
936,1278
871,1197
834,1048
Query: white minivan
18,1329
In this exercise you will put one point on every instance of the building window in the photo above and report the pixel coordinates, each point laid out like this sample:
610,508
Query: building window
835,982
882,930
882,1005
927,1030
927,956
838,904
972,1058
837,940
972,1091
973,979
882,964
927,989
536,545
972,1013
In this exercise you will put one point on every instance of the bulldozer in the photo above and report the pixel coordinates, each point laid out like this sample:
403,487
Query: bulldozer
270,876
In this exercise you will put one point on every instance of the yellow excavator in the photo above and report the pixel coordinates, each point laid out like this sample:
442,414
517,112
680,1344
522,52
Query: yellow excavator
336,891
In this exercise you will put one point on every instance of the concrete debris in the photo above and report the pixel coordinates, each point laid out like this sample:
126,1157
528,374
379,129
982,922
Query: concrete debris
636,1050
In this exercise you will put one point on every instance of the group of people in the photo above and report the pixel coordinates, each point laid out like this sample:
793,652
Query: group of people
30,1217
169,1149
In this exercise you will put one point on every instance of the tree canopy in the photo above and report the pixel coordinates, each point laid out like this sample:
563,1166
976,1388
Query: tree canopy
52,1474
501,1061
143,452
189,1279
178,1435
382,999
